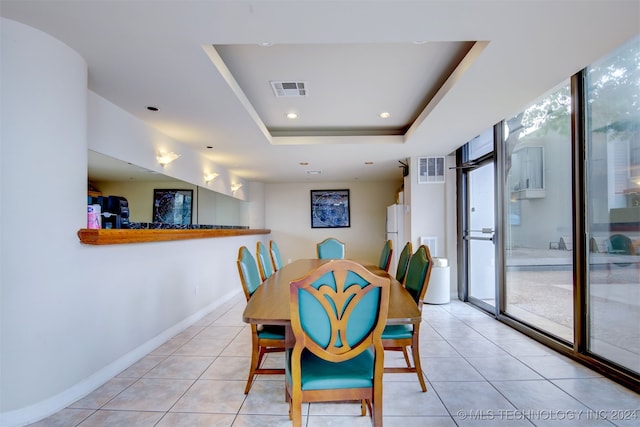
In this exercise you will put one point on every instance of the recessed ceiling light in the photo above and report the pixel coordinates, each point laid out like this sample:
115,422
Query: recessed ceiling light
209,146
292,115
385,115
368,163
313,172
265,44
152,108
304,163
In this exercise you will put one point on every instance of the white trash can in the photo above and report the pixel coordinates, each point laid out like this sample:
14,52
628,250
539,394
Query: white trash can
438,290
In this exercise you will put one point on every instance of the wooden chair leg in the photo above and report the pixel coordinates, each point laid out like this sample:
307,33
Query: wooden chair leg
415,349
296,412
257,355
287,398
406,356
255,362
376,410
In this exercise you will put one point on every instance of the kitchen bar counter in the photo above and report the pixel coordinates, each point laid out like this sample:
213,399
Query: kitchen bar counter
119,236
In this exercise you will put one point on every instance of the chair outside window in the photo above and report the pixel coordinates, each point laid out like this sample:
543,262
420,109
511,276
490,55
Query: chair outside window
264,261
619,244
275,255
403,262
266,338
331,248
338,312
399,337
385,256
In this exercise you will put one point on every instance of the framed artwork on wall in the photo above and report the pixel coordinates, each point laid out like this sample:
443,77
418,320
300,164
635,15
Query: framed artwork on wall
330,209
172,206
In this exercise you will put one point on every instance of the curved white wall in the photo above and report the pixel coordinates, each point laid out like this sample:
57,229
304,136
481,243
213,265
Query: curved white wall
73,316
44,92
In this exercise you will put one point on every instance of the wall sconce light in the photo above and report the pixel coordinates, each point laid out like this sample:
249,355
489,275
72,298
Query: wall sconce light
208,177
235,187
166,158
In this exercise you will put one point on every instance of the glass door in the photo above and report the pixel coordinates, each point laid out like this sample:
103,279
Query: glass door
477,208
479,236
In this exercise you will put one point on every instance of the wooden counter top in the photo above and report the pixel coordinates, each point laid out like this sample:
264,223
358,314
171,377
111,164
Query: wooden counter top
119,236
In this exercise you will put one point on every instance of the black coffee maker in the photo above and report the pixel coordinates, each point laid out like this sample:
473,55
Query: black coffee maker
115,212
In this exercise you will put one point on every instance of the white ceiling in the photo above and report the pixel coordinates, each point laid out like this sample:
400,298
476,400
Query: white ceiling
444,70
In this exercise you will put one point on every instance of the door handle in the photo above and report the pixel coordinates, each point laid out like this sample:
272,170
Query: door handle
479,238
467,235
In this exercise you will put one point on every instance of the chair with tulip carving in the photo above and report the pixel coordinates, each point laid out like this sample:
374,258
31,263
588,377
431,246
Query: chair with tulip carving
338,312
399,337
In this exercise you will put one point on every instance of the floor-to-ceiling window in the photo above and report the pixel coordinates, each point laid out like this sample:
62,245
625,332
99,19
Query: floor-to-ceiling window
612,119
567,193
538,242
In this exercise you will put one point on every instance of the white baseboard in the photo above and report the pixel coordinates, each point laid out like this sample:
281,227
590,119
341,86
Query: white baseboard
47,407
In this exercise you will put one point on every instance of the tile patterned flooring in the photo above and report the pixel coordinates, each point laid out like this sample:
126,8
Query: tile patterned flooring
479,372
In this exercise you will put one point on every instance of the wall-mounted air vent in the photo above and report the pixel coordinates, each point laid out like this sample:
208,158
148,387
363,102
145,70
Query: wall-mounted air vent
430,170
432,243
281,89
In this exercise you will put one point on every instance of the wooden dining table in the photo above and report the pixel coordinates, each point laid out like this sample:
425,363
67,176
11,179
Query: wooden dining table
269,304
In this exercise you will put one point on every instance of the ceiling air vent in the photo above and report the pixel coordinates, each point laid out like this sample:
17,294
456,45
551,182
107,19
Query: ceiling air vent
430,170
288,89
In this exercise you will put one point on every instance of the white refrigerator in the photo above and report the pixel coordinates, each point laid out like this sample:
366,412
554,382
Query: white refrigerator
395,233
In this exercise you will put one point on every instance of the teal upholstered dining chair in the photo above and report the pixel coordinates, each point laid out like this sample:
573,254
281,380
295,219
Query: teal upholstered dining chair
403,262
275,255
399,337
264,261
331,248
266,338
338,312
385,255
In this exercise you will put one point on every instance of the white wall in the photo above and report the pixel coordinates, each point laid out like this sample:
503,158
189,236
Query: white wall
427,215
288,216
73,316
433,213
43,154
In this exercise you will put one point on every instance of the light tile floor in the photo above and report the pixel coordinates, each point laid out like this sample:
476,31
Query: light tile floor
479,372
